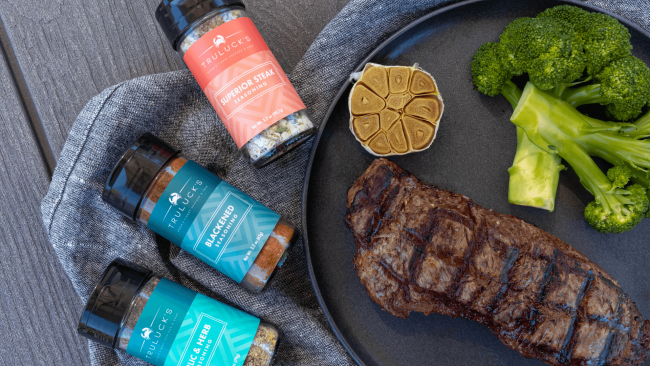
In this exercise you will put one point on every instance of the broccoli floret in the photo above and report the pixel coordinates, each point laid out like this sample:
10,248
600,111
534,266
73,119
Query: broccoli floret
570,14
623,85
554,50
489,70
547,49
619,175
634,205
530,181
643,179
525,47
556,127
605,39
631,213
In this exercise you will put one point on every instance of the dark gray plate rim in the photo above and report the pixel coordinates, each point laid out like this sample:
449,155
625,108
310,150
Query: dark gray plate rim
346,84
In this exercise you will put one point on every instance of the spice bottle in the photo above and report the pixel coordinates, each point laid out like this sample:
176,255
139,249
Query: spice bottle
238,73
153,183
164,323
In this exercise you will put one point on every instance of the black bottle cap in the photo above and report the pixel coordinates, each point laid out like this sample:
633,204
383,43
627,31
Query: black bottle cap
110,301
131,176
176,16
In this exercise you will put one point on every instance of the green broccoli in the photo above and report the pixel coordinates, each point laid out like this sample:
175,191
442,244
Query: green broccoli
623,85
546,49
619,175
572,57
623,80
604,38
556,127
641,178
534,174
634,203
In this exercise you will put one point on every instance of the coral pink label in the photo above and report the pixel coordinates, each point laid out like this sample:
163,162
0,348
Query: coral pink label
242,79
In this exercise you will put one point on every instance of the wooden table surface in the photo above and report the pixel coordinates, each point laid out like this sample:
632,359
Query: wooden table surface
56,55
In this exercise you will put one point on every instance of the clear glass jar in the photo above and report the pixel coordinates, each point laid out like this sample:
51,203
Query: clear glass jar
140,181
276,139
274,251
113,314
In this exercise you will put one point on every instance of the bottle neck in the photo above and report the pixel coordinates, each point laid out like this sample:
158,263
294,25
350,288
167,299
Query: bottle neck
157,186
205,24
135,310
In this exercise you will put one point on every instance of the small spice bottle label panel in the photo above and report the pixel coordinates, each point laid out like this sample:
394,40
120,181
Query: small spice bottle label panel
213,220
242,79
180,327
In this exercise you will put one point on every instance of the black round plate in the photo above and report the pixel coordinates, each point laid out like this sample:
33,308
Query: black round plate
471,155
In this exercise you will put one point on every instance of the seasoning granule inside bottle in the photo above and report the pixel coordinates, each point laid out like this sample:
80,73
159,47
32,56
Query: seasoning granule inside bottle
278,120
154,319
260,354
157,186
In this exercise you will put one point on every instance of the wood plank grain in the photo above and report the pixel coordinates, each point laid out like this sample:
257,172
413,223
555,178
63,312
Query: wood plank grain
68,51
38,306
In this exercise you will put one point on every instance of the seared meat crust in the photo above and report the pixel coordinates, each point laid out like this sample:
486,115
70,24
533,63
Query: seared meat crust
424,249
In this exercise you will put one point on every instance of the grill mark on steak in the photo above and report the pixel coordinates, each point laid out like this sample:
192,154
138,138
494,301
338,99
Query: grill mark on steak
404,285
429,250
564,355
416,264
548,278
455,293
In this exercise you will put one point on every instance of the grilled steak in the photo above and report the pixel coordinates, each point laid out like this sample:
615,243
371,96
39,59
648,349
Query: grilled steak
424,249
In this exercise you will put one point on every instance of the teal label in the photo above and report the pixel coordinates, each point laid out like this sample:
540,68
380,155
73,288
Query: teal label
213,220
160,321
199,331
213,334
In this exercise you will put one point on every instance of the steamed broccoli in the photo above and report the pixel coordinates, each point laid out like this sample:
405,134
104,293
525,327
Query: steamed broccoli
572,58
557,127
633,204
546,49
619,175
604,38
534,174
623,85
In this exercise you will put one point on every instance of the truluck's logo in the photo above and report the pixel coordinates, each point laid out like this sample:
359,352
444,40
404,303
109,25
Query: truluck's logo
174,198
146,332
219,40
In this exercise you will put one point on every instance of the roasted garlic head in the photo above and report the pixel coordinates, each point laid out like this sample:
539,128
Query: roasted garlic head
395,110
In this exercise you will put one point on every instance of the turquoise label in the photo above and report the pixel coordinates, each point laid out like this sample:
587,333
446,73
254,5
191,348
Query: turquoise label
199,331
213,334
160,321
213,220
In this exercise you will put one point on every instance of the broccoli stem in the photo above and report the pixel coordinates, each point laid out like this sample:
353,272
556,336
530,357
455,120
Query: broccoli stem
588,94
618,150
560,88
642,127
534,174
512,93
591,177
556,126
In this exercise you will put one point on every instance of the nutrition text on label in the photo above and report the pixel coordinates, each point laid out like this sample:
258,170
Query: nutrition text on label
270,116
250,251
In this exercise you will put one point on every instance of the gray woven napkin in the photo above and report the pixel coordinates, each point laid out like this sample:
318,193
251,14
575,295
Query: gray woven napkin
87,234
